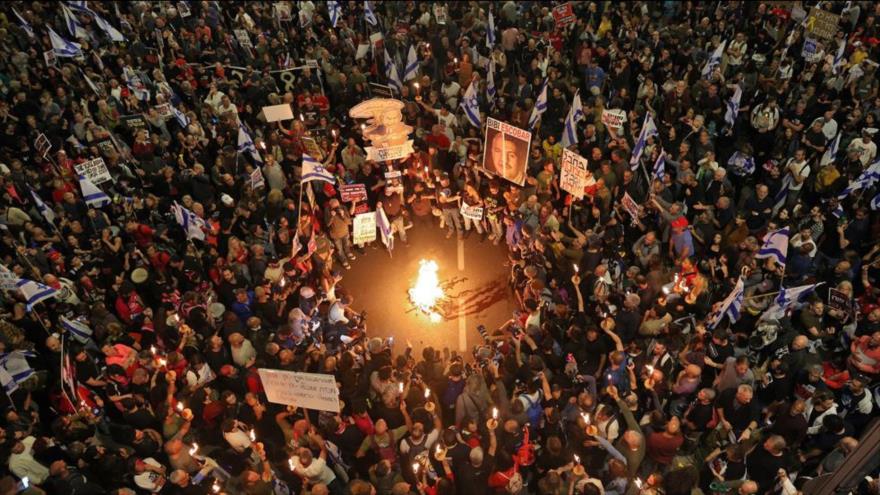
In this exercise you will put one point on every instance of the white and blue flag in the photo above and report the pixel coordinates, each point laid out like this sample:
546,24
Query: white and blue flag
369,15
181,117
865,180
77,329
575,114
391,72
313,170
34,292
730,307
108,28
412,65
714,60
135,84
733,106
775,246
741,164
490,31
491,90
335,11
15,370
93,196
246,145
384,228
875,203
838,58
471,106
73,25
648,129
62,47
831,151
660,166
193,225
24,24
540,106
44,210
788,298
81,6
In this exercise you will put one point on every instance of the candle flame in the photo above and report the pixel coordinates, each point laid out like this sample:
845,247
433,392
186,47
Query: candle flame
577,459
427,392
290,463
194,449
494,413
180,406
153,349
252,435
415,467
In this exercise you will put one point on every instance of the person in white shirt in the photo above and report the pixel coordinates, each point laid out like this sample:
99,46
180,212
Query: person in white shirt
235,435
215,97
736,51
799,169
313,469
22,462
450,91
864,147
829,127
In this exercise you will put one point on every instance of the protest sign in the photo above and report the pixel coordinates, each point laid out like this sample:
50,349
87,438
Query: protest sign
471,212
134,122
307,390
631,206
440,14
839,301
257,180
822,24
387,153
275,113
364,228
809,50
564,14
506,151
282,11
362,50
95,170
164,111
42,145
243,38
393,174
614,117
8,279
573,173
313,149
353,192
183,9
50,58
381,90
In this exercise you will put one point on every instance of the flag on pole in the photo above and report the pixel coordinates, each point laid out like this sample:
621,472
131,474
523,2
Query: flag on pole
93,196
313,170
90,83
660,166
335,11
648,129
865,180
831,151
34,292
782,194
15,370
181,117
875,203
540,107
62,47
73,25
108,28
490,31
733,106
44,210
729,307
77,329
714,60
775,246
412,65
24,24
384,228
80,6
246,145
471,106
575,114
369,16
788,298
391,72
491,90
193,225
838,58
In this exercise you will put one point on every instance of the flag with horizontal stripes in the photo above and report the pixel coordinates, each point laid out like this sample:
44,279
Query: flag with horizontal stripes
875,203
193,225
335,11
384,228
838,58
730,306
660,166
490,31
80,6
24,24
77,329
313,170
575,114
181,117
648,129
44,210
93,196
782,193
831,152
34,292
733,106
788,298
491,90
369,15
471,106
741,164
540,107
714,60
392,73
775,246
15,369
412,65
62,47
108,28
73,25
246,144
865,180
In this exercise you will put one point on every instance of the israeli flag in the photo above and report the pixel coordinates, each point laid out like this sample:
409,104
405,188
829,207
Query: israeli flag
660,166
90,83
73,24
79,330
24,24
193,225
34,292
741,164
313,170
540,107
779,199
648,129
730,307
135,84
384,228
246,144
412,65
714,60
490,32
875,203
838,58
62,47
93,196
369,16
491,90
181,117
15,370
108,28
391,72
471,106
81,7
775,246
575,114
788,298
44,210
865,180
831,151
733,106
335,11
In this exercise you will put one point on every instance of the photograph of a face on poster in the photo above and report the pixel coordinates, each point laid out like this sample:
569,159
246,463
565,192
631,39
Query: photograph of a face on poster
506,151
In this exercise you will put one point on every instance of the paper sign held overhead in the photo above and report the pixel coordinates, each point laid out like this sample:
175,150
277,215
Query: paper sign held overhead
306,390
276,113
573,174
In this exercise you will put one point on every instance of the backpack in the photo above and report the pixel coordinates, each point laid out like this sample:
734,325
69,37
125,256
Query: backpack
534,411
450,395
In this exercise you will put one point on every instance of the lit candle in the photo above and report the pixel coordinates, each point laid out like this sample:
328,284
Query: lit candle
427,392
363,127
290,463
609,378
576,269
638,483
216,486
333,133
179,407
163,361
577,460
417,88
455,60
494,413
650,370
194,449
252,435
153,349
415,468
400,387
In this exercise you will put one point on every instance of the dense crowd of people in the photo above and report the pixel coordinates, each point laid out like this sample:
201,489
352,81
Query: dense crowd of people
657,348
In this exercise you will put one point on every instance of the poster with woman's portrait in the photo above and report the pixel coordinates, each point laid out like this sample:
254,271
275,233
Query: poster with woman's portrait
506,151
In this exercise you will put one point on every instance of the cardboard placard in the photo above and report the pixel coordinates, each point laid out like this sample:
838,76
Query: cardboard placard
50,58
822,24
573,174
389,153
506,152
614,117
353,192
307,390
471,212
257,180
312,148
243,38
282,11
183,9
809,50
394,174
134,123
362,50
95,170
276,113
839,301
164,111
364,228
564,14
42,145
631,206
8,280
440,14
381,90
